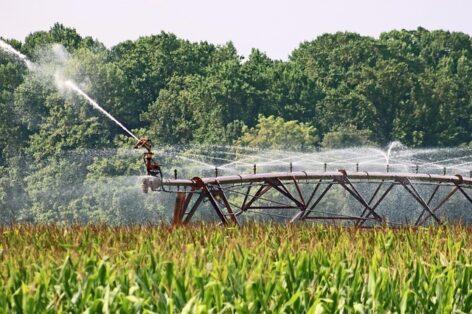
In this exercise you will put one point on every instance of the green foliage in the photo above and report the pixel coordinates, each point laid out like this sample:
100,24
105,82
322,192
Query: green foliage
150,63
67,37
119,161
347,136
276,133
255,269
52,189
66,128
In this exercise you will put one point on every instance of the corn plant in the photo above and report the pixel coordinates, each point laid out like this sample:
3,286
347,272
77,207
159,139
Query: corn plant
252,269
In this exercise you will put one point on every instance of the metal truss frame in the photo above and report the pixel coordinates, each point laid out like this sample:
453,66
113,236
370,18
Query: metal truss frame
283,192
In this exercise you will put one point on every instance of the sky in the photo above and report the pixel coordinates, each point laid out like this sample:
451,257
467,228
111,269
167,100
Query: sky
275,27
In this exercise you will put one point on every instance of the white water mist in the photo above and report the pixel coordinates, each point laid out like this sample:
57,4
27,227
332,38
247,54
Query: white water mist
201,161
9,49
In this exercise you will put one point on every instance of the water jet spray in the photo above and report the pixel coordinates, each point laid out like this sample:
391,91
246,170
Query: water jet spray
9,49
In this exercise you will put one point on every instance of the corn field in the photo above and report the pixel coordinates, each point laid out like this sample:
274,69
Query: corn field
253,269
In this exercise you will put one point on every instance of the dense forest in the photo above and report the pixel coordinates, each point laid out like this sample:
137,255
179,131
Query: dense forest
336,90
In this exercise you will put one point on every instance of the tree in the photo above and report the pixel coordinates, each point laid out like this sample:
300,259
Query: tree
106,83
276,133
11,76
58,34
150,62
348,136
199,108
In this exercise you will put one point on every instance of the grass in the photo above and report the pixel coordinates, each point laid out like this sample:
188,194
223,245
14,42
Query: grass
257,268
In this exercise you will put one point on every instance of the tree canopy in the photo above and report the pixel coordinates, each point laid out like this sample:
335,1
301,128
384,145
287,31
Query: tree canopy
276,133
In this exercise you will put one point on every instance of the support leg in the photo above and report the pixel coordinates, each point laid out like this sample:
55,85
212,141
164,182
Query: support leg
179,208
194,208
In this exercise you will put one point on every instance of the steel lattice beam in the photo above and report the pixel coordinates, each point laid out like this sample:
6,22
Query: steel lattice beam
279,194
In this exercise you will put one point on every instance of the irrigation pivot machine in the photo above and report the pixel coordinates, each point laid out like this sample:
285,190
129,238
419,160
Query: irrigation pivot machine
369,198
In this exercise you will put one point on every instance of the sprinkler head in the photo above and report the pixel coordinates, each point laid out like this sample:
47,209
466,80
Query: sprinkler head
152,167
144,142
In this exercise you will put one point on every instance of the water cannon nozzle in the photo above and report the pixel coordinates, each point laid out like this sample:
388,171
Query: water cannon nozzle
152,167
144,142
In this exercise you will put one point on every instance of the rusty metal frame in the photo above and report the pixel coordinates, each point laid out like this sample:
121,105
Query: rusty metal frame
218,193
410,188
